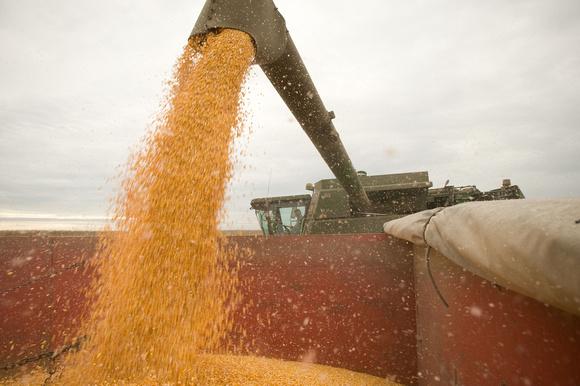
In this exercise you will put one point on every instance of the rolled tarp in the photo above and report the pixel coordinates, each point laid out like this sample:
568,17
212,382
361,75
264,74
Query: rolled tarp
529,246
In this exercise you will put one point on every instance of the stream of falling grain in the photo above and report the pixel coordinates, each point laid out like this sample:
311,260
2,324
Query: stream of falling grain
162,303
165,291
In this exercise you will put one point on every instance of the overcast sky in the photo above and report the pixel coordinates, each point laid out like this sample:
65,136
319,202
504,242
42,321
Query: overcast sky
471,91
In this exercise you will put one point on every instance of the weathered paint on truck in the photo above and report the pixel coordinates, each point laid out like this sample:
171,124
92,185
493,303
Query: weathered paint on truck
361,302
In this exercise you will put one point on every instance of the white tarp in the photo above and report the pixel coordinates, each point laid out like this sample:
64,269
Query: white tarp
529,246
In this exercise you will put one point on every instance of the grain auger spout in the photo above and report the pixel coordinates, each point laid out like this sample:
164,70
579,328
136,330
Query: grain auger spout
281,62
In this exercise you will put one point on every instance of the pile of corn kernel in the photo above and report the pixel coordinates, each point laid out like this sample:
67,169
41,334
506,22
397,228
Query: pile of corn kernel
214,370
248,370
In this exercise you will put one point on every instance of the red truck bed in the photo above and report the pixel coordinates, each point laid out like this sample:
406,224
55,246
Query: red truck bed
361,302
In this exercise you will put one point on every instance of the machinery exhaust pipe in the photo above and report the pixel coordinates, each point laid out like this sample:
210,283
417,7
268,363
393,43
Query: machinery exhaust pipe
282,64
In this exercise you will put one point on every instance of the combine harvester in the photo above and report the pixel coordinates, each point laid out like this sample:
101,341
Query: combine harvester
482,293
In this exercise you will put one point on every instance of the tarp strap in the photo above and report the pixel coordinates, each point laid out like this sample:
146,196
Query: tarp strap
428,259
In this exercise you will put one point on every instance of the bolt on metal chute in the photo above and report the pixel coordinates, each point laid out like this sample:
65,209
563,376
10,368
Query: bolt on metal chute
282,64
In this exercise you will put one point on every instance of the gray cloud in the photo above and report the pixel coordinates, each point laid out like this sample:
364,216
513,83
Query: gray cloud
468,90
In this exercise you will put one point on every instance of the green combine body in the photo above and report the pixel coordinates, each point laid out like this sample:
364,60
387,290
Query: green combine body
327,209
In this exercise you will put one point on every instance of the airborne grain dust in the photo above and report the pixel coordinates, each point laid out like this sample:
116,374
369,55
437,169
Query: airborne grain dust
165,289
161,306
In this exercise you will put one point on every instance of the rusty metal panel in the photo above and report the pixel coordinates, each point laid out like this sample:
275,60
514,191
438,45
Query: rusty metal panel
70,303
70,251
489,335
25,321
73,275
23,258
346,301
41,295
342,300
25,296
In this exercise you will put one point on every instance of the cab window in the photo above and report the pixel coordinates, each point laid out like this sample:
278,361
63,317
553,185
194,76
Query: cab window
282,220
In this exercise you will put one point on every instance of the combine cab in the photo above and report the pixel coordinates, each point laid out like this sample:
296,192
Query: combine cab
282,215
392,196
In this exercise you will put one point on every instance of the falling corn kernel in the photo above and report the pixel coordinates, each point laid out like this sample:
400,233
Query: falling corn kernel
162,300
165,288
